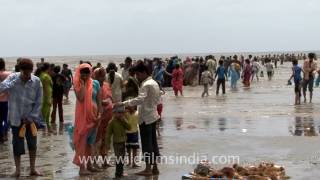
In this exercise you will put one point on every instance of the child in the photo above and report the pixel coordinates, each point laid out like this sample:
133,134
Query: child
206,79
117,130
132,143
221,78
296,75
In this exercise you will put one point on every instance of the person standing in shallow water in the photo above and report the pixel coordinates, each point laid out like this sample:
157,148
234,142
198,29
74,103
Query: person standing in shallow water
234,73
47,93
221,78
106,114
4,126
66,72
309,69
57,95
87,115
24,112
296,75
269,68
246,74
177,80
148,99
206,80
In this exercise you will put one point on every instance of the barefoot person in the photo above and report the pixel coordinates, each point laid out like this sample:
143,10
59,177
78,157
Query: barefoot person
177,80
47,84
296,75
309,69
148,99
116,133
24,111
86,116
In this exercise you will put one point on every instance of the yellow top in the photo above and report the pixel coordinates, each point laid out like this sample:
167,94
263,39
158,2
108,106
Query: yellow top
133,120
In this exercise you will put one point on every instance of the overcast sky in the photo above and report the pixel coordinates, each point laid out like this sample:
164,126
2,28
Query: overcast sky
102,27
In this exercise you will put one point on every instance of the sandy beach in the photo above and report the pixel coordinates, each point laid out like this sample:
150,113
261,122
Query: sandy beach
256,124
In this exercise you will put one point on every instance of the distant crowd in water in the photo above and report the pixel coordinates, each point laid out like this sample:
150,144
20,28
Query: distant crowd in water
106,101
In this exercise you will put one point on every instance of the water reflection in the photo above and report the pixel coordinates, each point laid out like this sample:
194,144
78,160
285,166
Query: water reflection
178,122
222,123
304,126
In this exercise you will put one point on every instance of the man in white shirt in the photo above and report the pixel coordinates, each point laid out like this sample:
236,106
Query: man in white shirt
147,101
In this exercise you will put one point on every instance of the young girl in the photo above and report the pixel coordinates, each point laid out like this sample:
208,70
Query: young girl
132,143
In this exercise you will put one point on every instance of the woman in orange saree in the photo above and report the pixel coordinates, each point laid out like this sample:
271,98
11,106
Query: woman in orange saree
86,116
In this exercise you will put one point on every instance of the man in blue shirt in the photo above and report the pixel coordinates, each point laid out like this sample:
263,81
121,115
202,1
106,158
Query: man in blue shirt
25,96
221,73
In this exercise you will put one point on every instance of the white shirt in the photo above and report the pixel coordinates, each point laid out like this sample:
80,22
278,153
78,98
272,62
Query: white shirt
147,101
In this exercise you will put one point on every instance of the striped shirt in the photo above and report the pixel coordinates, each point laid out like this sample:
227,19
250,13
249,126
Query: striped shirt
24,98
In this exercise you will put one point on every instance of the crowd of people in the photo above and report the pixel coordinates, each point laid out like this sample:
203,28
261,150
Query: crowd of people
113,107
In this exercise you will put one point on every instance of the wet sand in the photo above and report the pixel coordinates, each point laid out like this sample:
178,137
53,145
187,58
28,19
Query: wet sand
256,124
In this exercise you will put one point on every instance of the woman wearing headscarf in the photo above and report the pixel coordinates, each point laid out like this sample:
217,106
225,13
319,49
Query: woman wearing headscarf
88,108
106,114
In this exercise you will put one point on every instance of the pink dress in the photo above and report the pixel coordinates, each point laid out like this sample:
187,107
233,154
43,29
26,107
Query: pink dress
177,79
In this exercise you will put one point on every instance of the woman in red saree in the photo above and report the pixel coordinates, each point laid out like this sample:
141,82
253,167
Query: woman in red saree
247,71
86,116
177,80
106,98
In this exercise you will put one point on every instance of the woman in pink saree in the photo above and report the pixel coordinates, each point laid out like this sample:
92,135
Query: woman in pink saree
86,116
106,98
177,80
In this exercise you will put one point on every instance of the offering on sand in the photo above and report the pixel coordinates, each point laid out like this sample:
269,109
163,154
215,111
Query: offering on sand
264,171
